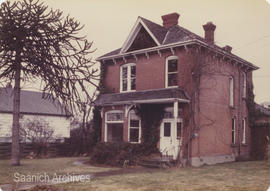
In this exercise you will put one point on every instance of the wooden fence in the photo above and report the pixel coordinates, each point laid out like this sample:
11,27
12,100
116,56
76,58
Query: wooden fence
53,150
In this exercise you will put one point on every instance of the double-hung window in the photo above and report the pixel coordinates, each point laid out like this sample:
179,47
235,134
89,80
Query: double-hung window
244,131
114,126
128,77
172,71
244,85
233,131
134,135
231,92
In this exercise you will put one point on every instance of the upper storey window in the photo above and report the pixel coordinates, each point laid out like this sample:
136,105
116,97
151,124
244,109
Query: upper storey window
231,91
128,77
244,85
172,71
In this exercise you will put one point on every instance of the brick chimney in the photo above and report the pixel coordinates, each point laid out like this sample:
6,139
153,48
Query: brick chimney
227,48
209,29
170,20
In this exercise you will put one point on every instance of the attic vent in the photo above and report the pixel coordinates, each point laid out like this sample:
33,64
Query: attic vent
170,20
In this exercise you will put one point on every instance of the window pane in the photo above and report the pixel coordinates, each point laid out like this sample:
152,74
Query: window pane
172,79
115,116
124,85
124,72
133,71
134,123
172,65
179,130
167,129
134,135
133,84
115,132
231,91
233,131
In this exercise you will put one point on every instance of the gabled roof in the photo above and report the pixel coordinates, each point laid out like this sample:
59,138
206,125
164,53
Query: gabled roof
148,96
167,38
153,30
31,103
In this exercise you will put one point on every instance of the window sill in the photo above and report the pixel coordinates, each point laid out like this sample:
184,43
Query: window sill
135,142
244,144
171,86
231,107
128,91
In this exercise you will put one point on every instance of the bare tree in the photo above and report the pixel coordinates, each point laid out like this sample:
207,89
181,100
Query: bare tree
38,132
40,43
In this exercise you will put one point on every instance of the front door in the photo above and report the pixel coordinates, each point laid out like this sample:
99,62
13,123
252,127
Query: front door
170,134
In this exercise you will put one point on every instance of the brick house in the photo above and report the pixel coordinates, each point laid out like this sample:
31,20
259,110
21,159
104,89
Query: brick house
202,86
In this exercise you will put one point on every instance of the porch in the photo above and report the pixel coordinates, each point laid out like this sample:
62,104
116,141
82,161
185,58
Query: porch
121,121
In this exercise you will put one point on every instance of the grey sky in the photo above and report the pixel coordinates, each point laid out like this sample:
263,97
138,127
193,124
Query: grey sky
242,24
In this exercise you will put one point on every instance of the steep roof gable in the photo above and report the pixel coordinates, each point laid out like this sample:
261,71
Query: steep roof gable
144,29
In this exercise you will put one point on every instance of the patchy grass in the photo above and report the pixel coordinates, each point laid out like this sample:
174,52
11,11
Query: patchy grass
240,176
48,166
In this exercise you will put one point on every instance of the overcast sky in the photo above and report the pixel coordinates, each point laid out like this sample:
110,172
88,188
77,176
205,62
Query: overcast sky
242,24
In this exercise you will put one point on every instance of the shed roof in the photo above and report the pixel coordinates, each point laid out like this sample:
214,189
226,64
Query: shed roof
31,102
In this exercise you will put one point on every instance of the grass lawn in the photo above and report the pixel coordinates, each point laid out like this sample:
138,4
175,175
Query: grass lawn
237,176
49,166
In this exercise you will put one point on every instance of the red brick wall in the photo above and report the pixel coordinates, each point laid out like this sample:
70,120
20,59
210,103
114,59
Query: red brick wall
215,116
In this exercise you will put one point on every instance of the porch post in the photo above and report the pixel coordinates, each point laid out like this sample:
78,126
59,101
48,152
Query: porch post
175,110
175,115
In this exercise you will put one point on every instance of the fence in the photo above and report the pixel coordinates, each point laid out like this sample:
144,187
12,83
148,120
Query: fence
53,150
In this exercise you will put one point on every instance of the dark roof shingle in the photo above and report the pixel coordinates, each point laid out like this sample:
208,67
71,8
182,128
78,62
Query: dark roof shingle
110,99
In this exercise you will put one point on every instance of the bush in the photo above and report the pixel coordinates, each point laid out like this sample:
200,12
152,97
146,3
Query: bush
119,154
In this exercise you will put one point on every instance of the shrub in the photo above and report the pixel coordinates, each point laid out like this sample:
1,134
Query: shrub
119,154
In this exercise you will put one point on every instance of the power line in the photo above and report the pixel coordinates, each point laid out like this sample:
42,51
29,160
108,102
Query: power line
254,41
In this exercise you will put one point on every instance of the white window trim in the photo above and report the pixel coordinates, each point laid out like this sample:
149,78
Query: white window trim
128,77
140,128
244,85
234,131
231,91
166,69
244,131
110,122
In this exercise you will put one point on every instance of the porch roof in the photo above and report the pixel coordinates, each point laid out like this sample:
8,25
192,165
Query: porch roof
167,95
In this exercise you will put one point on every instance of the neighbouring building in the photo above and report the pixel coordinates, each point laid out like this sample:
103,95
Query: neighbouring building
260,132
32,106
203,88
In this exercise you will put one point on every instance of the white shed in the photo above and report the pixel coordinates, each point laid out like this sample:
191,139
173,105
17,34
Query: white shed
32,106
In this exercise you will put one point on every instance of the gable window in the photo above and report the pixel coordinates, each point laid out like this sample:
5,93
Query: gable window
244,85
134,135
233,131
172,71
244,131
114,126
128,77
231,89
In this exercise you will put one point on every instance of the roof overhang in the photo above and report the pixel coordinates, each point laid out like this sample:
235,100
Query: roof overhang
150,101
200,43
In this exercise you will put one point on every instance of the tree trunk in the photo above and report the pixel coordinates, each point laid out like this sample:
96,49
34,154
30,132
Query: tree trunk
15,153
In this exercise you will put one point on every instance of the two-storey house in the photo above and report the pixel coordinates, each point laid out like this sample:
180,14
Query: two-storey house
202,86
